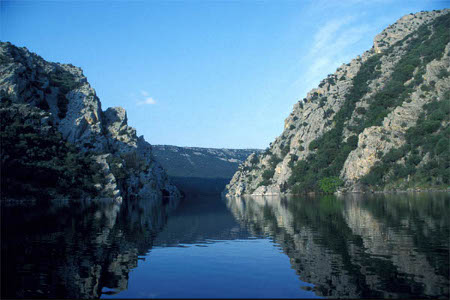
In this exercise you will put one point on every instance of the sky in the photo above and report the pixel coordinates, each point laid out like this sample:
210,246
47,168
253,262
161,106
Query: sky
220,74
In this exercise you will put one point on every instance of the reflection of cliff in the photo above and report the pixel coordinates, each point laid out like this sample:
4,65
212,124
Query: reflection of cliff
75,250
405,231
379,247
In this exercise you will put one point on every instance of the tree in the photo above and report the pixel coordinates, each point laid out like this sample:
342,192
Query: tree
329,185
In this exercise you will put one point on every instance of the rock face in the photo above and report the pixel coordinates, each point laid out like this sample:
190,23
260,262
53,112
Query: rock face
359,116
73,108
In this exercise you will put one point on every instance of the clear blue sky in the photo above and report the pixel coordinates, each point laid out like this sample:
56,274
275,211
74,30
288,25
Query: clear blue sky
219,74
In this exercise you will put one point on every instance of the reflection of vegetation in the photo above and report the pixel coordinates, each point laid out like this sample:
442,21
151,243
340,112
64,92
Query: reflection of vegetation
329,205
67,244
427,216
358,239
57,250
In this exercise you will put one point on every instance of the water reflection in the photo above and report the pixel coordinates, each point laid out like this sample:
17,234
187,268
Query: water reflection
77,249
200,220
359,246
355,246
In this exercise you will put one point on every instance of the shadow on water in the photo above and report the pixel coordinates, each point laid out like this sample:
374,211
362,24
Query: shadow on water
358,246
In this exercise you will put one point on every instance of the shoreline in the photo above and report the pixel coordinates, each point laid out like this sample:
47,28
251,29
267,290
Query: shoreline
417,190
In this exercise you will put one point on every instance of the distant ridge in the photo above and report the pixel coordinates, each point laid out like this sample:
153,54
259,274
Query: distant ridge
200,162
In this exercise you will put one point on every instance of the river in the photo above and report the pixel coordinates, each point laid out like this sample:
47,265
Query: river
353,246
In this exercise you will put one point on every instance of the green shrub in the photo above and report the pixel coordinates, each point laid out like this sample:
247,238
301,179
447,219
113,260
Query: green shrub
322,101
254,160
62,103
65,82
117,168
443,73
328,113
268,174
292,160
313,145
285,150
267,177
361,110
329,185
425,88
393,155
274,160
352,141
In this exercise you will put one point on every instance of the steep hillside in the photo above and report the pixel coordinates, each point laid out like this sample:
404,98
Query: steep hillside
200,162
56,139
379,122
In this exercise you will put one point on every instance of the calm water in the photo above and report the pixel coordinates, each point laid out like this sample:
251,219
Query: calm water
355,247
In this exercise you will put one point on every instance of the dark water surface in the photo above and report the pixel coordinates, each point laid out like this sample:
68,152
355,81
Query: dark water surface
356,246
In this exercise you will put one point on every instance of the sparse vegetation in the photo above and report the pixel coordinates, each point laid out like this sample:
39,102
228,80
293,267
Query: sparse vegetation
65,82
429,138
41,165
330,152
285,149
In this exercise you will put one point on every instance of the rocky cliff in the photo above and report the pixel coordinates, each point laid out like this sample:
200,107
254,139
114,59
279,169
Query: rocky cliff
57,97
380,121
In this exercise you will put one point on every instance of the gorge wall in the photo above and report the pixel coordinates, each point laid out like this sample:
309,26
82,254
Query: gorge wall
379,122
56,139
